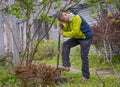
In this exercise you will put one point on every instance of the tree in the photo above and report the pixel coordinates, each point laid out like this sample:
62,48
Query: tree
106,30
107,35
26,11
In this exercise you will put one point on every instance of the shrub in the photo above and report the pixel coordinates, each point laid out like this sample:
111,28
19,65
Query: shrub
4,58
8,81
107,34
34,74
46,49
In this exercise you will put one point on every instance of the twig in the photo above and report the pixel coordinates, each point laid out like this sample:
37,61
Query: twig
1,1
74,5
113,33
115,74
43,36
6,8
100,79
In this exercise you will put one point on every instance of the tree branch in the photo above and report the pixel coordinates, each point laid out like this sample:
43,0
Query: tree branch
100,79
1,1
6,8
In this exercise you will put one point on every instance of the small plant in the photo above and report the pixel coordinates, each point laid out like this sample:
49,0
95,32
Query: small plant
8,80
46,49
37,74
4,58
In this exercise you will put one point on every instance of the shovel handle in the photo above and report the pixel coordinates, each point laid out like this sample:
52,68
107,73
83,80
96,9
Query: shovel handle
58,55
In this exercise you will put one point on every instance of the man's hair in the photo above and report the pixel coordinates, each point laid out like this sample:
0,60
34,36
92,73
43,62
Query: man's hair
59,15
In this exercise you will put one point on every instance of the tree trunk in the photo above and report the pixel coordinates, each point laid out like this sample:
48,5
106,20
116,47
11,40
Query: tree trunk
15,48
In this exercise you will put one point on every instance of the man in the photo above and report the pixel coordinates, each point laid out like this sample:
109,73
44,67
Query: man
80,33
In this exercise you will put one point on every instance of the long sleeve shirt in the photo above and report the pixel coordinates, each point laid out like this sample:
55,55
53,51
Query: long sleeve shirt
77,28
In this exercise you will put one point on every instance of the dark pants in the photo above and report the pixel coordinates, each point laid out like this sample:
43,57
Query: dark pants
85,47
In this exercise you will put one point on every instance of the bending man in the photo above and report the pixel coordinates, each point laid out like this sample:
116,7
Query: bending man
80,33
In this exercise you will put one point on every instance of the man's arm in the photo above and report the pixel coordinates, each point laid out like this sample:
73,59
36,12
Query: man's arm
75,29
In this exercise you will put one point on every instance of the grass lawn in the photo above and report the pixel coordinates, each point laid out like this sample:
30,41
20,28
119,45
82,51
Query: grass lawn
103,79
102,74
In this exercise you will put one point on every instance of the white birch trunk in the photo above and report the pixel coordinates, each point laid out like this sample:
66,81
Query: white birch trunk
105,50
15,40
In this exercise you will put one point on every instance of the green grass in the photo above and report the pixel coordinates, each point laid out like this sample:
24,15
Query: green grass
93,82
96,62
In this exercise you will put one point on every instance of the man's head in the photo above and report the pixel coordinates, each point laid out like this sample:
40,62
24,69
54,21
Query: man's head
63,17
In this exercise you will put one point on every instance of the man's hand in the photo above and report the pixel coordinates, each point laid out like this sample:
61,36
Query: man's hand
60,24
60,32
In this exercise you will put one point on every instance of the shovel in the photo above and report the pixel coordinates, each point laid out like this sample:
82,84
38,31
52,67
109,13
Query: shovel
58,55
